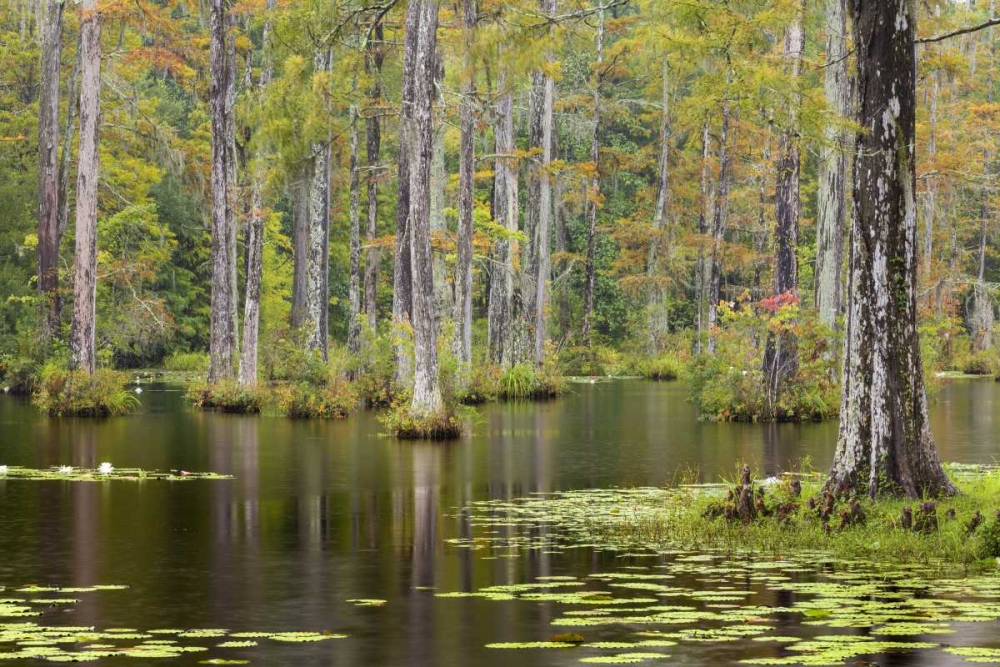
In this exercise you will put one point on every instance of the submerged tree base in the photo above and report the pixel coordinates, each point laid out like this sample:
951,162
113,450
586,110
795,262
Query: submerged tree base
400,422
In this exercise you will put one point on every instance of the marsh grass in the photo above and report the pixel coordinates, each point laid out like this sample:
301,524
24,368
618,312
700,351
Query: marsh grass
684,518
65,393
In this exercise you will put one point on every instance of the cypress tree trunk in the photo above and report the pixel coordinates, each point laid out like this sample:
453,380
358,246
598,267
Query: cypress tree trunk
719,221
595,191
69,130
220,336
443,297
542,253
832,196
48,165
402,273
657,303
702,267
466,194
373,146
81,344
318,255
232,187
247,375
885,444
418,130
982,316
501,301
781,352
354,215
300,246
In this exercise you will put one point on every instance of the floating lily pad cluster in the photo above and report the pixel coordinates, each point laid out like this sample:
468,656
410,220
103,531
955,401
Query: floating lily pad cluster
104,473
830,612
21,638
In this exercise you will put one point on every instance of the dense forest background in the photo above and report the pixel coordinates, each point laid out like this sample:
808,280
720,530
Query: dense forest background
697,178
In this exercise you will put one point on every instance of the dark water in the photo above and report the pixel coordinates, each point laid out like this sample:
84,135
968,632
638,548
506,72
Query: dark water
321,512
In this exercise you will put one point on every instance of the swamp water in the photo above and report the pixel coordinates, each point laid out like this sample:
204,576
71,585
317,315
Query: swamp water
332,545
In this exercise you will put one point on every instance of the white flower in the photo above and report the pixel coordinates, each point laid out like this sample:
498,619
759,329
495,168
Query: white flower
65,469
3,470
106,468
744,373
6,389
138,390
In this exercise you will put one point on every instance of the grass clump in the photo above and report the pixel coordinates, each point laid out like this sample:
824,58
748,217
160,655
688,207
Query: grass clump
66,393
334,399
526,382
664,368
481,384
400,422
186,362
227,396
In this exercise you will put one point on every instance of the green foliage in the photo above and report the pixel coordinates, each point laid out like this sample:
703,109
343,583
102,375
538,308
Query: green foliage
186,362
227,396
287,358
400,421
524,382
666,367
990,539
593,360
729,385
65,393
333,400
985,362
373,369
479,385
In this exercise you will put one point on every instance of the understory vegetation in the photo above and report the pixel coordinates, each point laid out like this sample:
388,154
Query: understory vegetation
63,393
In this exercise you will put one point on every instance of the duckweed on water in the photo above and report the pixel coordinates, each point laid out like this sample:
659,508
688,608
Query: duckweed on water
20,639
104,474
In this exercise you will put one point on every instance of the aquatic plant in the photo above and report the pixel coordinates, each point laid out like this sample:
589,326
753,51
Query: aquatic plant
65,393
106,472
335,399
400,422
227,396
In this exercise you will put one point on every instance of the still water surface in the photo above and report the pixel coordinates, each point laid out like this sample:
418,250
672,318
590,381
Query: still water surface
322,512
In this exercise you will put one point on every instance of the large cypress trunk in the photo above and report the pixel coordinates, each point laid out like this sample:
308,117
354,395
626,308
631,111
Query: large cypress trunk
832,197
781,351
354,215
466,195
81,344
300,245
48,165
318,253
885,444
590,283
220,335
418,139
255,239
373,146
501,301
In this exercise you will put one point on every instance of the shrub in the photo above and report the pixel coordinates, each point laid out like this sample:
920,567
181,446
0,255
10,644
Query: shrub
985,362
480,385
593,360
990,539
374,369
400,421
227,396
20,375
186,362
667,367
65,393
287,358
730,384
334,400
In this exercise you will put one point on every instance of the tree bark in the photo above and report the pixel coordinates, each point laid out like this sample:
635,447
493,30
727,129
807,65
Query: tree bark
354,215
466,193
719,221
418,134
69,130
885,444
982,316
501,300
657,301
402,272
48,166
373,146
247,375
220,335
232,187
832,196
318,257
702,267
82,330
443,298
594,195
781,351
300,246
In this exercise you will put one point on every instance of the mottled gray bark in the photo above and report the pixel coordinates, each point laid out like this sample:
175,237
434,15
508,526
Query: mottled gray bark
247,375
885,444
721,206
354,220
417,126
500,311
220,334
82,330
657,303
702,265
466,193
51,12
781,351
593,197
300,246
232,186
443,297
318,254
831,204
373,146
402,273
